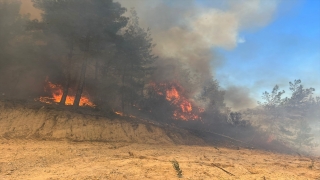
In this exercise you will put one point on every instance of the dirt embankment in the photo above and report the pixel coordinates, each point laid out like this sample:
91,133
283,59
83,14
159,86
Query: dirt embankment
18,120
131,149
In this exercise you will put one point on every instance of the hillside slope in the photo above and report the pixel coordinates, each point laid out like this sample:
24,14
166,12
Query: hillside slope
20,120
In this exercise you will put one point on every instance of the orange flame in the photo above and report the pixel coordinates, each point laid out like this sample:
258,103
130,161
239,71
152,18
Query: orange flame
174,94
119,113
56,91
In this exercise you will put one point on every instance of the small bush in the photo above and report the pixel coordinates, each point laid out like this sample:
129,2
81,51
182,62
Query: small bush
176,166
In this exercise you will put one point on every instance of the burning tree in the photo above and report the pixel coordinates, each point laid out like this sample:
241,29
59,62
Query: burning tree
86,26
172,98
135,61
55,94
91,55
89,30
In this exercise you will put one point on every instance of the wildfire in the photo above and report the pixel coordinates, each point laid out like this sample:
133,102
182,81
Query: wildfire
56,91
118,113
174,93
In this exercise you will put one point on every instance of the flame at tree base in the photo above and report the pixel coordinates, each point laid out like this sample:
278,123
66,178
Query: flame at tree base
56,91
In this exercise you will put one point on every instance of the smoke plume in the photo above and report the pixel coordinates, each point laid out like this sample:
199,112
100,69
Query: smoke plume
187,32
239,98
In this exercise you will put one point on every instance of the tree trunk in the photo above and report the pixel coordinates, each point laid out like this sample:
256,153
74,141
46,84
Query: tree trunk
68,78
123,88
132,86
82,79
81,83
96,71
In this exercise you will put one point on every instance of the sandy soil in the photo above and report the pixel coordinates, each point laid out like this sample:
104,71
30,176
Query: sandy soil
18,120
49,142
33,159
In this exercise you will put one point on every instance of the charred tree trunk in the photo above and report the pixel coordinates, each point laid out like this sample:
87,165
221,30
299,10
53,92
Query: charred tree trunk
82,79
132,86
68,78
123,88
81,83
96,71
143,84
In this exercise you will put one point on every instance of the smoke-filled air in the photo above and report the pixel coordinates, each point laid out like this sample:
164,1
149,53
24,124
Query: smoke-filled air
234,74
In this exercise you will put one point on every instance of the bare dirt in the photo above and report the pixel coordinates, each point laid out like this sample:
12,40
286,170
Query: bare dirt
33,159
44,122
44,143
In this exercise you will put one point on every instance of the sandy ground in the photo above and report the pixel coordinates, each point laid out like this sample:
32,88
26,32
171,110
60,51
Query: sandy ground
33,159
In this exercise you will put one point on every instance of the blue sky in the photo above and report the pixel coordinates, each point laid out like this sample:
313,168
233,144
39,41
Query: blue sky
286,49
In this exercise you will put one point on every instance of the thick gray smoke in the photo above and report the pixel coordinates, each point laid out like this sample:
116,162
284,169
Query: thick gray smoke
187,31
239,98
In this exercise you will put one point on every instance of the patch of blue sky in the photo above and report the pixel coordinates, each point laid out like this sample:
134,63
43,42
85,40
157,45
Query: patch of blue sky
286,49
